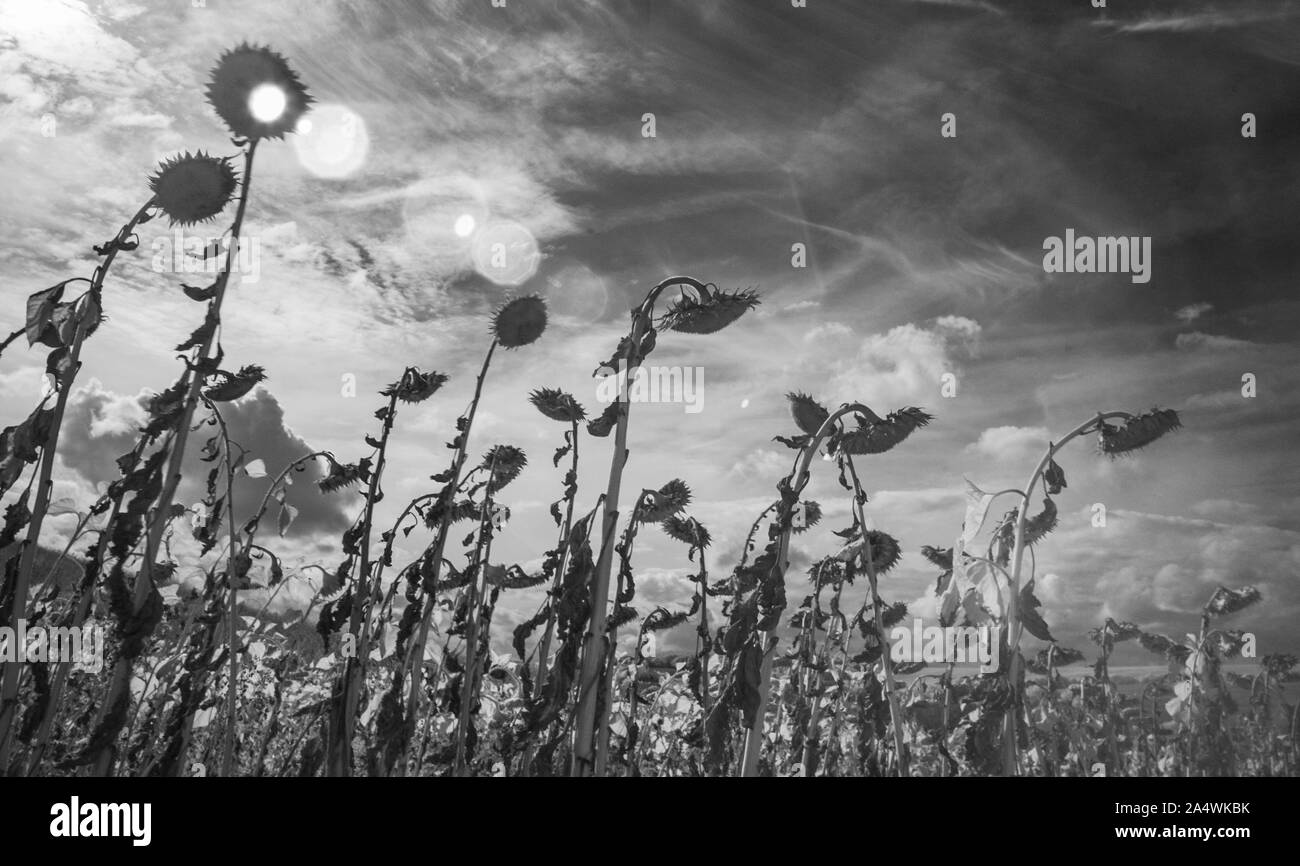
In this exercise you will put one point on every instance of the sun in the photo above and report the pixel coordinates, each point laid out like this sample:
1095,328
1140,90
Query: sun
464,226
266,103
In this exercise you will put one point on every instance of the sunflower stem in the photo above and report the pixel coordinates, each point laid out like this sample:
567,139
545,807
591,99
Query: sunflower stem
1010,761
144,582
45,485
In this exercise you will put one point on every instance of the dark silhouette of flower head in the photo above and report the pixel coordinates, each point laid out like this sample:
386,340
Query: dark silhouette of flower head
193,188
256,93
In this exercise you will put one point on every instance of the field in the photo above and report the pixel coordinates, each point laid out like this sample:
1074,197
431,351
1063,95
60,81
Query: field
402,666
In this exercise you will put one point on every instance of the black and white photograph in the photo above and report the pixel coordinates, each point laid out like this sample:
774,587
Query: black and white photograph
650,389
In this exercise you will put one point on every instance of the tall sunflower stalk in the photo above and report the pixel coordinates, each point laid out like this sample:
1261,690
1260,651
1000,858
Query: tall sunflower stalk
702,310
1130,434
558,406
751,636
516,324
363,593
63,327
502,464
237,75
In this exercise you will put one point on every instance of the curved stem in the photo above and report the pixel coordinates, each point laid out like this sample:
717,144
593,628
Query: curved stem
595,643
798,479
161,516
1014,626
45,485
886,662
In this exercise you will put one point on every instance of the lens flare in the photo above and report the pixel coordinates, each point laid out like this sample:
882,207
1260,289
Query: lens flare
266,103
465,224
334,143
505,253
574,290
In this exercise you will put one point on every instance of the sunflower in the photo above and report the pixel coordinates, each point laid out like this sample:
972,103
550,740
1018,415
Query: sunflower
519,322
248,74
557,405
1136,432
687,530
505,463
879,437
415,386
657,506
193,187
809,415
711,311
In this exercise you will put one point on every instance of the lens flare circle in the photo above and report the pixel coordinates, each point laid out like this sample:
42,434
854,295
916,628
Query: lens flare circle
506,253
465,225
334,143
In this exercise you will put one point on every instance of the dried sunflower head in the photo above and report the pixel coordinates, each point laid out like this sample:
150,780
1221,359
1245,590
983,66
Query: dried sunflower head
809,415
687,530
519,322
341,475
712,311
1137,432
248,84
193,187
1226,601
885,551
505,463
661,618
877,437
414,386
658,506
557,405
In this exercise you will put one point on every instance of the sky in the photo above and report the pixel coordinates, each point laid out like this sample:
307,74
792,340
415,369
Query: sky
443,126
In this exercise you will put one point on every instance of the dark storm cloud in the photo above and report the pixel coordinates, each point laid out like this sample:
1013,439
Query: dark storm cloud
101,426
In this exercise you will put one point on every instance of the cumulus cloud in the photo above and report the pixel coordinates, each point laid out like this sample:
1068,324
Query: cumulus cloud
100,426
1010,444
905,365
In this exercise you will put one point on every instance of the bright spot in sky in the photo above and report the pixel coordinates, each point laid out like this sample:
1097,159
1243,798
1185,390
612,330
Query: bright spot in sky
266,102
334,143
464,225
303,127
744,404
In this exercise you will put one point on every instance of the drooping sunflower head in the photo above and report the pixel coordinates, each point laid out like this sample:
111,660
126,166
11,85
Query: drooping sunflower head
1226,601
415,386
687,530
1136,432
505,462
711,311
557,405
877,437
519,322
657,506
193,187
808,414
257,93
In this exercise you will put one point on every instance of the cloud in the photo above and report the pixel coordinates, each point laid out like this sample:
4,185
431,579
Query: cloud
1196,341
1011,444
1192,312
100,426
903,366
